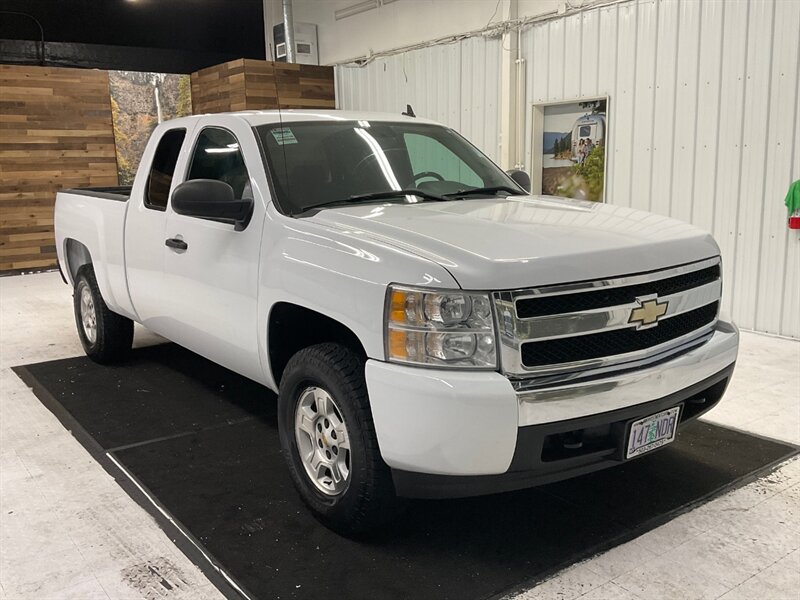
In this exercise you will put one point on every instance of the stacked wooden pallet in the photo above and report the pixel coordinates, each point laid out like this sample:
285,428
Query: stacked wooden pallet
247,84
55,132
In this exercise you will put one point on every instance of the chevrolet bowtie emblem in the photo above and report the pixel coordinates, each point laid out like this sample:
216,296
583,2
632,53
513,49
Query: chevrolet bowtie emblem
648,312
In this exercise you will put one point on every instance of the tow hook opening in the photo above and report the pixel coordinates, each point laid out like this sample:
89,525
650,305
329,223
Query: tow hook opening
609,437
572,440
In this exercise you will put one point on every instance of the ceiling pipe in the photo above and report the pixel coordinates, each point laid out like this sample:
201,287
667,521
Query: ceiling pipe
288,30
269,52
520,103
42,58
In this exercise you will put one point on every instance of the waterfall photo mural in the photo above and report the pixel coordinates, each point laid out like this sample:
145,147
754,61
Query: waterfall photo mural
139,102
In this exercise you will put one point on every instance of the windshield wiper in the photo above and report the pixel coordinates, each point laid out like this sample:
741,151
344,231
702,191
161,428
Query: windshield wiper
378,196
395,193
486,190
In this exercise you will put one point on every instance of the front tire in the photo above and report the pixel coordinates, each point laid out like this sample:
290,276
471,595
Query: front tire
329,441
106,337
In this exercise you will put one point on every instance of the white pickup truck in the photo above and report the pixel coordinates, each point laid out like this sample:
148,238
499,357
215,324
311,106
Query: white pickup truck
432,330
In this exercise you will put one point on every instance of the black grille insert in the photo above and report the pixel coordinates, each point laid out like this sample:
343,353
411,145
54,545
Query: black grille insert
602,297
619,341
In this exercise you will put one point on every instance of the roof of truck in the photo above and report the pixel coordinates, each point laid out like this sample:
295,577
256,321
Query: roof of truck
266,117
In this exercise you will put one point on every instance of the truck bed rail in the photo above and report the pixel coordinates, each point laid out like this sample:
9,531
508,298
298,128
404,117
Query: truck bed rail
119,193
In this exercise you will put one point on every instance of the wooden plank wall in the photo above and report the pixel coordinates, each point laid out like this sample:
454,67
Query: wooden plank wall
247,84
219,88
55,132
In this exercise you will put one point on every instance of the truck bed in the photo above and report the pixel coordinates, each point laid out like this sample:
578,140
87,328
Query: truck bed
119,193
94,218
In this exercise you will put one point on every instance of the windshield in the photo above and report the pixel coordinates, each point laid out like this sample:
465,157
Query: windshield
317,163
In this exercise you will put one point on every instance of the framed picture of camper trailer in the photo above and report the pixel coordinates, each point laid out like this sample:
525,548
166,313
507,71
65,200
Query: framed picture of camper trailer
569,148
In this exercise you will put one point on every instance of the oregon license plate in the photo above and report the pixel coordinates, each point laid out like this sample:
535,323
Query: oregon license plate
652,432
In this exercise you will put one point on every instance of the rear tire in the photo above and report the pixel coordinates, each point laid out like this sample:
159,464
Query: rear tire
106,337
329,441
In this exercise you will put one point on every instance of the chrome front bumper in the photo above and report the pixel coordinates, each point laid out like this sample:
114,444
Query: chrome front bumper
468,423
623,389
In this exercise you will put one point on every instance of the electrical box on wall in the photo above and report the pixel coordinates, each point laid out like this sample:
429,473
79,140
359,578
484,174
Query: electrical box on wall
305,43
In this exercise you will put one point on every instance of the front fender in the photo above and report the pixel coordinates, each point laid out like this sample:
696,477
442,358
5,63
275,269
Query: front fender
337,273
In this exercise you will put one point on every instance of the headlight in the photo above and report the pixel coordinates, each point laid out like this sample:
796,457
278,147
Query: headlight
440,328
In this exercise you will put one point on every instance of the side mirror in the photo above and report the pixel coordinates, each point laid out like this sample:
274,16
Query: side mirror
211,199
521,178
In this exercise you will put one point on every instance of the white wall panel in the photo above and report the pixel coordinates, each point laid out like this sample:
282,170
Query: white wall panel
644,109
573,54
685,120
590,41
456,84
779,258
623,99
790,314
538,55
480,93
608,59
666,73
555,52
706,137
728,149
757,76
704,127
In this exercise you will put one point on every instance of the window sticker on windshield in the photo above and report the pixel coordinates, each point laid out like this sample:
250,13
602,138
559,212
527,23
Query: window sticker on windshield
284,136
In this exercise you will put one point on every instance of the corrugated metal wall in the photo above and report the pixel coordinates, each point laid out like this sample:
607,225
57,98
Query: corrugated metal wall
704,118
455,84
704,126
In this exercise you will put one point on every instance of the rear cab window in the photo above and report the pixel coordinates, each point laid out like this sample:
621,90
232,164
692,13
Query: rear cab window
162,171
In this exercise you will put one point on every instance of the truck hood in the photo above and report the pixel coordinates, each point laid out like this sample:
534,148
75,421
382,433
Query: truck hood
526,241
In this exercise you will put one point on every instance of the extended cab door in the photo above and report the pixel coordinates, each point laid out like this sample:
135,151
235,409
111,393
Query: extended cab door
145,223
212,285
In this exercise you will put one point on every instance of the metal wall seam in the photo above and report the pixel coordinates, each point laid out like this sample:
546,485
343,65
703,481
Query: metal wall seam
788,147
772,260
685,123
644,120
754,152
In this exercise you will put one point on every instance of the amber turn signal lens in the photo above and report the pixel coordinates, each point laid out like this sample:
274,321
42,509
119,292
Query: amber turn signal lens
398,309
397,344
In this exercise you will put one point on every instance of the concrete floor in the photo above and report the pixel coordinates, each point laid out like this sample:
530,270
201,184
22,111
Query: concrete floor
67,530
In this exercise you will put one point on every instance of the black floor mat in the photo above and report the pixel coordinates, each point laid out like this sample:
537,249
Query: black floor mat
203,441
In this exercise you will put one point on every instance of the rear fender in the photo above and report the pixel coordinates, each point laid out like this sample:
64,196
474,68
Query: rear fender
90,231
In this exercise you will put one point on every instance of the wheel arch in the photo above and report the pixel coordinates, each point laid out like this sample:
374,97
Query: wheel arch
77,255
292,327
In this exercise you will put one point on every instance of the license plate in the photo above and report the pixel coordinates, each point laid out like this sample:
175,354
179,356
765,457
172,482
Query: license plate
652,432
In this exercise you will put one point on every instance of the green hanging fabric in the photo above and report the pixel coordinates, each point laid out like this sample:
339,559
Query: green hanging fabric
793,198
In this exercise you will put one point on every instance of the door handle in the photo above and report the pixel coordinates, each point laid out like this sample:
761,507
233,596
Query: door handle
176,244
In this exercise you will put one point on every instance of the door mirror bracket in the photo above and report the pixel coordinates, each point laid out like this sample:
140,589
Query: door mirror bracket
521,178
240,224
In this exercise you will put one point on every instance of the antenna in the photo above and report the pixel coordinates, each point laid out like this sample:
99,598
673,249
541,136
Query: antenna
409,111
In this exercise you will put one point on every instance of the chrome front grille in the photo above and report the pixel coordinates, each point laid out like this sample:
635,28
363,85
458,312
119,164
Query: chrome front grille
616,341
607,324
537,306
